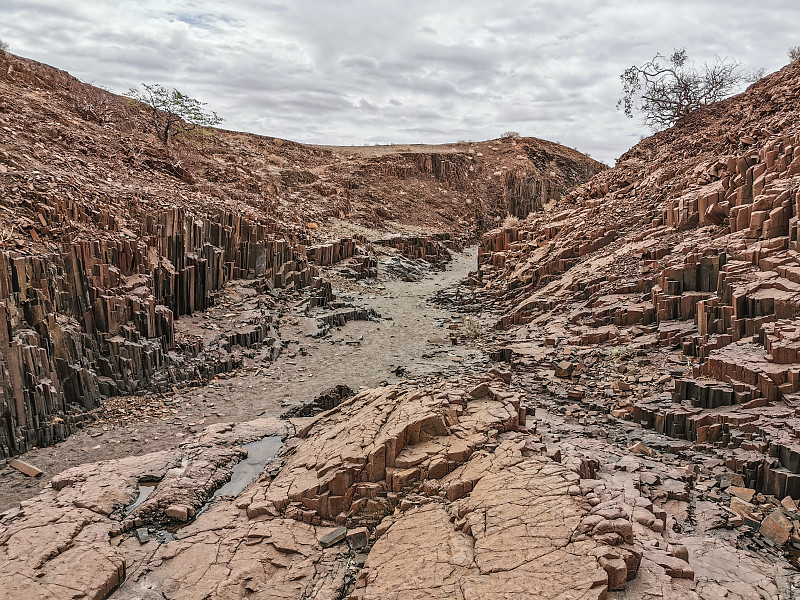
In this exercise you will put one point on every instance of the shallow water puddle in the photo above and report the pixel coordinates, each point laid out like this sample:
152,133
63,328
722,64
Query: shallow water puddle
145,489
259,453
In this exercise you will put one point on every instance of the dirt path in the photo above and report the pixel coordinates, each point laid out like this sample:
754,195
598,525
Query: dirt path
360,354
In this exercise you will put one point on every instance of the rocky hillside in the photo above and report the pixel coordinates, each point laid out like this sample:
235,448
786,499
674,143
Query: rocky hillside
666,290
78,162
625,429
107,235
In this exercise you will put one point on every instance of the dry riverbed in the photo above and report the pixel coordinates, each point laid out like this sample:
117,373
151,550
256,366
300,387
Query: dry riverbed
360,354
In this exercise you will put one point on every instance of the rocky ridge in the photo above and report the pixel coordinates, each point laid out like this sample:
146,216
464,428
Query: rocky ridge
663,293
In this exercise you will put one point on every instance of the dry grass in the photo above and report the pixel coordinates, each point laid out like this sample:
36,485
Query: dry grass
472,328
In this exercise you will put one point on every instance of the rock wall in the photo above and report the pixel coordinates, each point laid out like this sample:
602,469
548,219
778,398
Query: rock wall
93,319
690,243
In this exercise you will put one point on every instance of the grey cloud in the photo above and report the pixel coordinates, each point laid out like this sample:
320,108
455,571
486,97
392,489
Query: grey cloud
354,71
366,63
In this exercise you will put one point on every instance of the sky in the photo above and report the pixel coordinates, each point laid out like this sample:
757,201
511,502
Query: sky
362,72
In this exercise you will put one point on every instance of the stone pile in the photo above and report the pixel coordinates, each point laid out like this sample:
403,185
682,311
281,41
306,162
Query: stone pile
352,262
434,249
328,400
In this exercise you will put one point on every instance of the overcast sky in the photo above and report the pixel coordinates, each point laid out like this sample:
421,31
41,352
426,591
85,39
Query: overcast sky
363,72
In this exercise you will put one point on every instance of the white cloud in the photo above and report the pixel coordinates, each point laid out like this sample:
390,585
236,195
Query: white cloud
355,71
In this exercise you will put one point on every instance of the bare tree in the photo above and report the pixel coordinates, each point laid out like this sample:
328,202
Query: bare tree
794,53
664,89
172,110
4,46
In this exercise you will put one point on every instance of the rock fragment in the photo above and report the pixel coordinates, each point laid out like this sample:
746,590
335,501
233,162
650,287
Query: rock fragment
24,467
333,537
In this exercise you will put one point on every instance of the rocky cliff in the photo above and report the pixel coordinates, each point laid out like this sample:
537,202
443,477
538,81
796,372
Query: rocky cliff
688,246
107,236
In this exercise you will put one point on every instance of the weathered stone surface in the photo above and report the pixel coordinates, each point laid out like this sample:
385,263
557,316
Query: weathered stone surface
514,516
387,440
694,250
358,537
333,537
776,527
421,556
652,316
564,369
58,543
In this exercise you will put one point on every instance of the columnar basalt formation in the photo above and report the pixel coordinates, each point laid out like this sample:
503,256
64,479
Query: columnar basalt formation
690,243
108,236
97,319
457,463
432,249
640,441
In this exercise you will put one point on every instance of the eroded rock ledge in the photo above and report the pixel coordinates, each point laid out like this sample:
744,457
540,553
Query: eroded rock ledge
398,492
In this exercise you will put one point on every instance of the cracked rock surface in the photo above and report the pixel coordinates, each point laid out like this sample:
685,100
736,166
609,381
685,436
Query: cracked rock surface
444,491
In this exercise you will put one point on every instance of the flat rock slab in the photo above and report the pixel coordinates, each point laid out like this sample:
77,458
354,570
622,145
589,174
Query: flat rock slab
333,537
26,468
514,542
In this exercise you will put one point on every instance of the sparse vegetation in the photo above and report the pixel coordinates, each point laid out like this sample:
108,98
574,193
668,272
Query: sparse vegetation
755,75
4,46
794,53
665,89
618,353
472,327
510,221
98,104
512,135
172,110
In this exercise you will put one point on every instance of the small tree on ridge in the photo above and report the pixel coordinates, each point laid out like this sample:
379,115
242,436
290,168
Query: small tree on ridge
664,89
170,109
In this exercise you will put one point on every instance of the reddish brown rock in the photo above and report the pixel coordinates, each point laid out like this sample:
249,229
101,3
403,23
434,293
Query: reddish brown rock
776,527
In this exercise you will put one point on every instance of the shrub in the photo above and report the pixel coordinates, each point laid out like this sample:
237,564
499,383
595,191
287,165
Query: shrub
472,327
618,353
172,110
665,89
